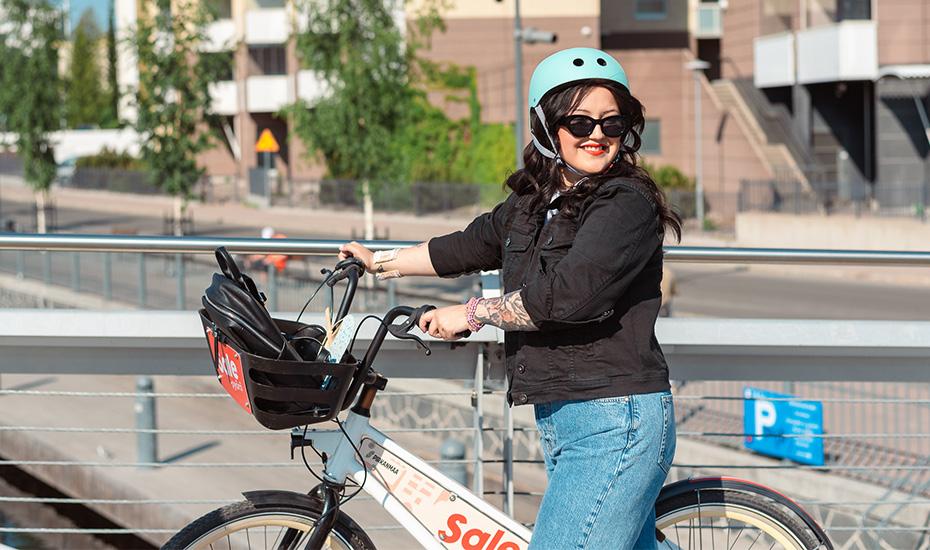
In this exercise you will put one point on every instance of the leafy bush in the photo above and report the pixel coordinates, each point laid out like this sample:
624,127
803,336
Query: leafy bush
669,177
109,158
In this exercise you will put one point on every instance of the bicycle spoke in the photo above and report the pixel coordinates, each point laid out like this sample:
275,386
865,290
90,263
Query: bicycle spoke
754,540
738,535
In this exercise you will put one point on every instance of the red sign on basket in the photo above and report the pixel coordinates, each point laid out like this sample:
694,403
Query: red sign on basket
229,371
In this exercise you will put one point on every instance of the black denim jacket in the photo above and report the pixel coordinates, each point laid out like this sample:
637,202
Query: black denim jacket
590,284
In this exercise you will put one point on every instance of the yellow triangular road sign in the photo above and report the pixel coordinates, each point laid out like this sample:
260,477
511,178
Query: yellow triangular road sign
266,143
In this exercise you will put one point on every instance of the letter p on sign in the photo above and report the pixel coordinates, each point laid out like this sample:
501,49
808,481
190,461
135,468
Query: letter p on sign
765,416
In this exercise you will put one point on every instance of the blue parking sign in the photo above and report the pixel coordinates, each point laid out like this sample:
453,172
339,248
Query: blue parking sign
766,422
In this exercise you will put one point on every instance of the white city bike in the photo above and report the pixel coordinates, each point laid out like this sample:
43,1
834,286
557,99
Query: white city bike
717,512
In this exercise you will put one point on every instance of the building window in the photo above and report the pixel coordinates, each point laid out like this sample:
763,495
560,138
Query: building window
268,60
651,138
650,10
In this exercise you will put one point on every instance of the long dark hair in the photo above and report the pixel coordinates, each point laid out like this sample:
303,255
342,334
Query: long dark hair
542,176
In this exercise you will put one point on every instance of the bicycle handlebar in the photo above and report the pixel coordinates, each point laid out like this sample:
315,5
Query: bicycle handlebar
351,268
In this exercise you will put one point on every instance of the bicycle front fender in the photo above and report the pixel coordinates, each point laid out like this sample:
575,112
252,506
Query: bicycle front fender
735,484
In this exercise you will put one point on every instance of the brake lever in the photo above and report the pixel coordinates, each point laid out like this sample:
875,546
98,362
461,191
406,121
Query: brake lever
402,330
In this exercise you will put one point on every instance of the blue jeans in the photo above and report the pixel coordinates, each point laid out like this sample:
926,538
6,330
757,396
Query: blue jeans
606,461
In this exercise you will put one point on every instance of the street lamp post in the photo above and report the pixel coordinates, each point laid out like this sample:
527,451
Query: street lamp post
528,35
696,66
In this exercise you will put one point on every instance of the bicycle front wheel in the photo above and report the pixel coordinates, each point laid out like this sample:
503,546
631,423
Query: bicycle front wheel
278,525
732,520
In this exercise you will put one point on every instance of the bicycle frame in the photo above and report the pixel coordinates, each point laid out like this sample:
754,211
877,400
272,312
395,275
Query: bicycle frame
439,512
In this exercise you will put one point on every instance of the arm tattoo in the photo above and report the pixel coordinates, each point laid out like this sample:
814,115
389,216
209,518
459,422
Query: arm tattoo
506,312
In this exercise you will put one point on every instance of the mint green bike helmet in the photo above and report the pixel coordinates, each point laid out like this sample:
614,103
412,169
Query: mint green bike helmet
563,67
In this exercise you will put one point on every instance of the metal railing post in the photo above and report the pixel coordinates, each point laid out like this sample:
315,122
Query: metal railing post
272,288
391,293
142,281
146,441
507,473
47,267
179,271
478,410
107,275
76,271
20,264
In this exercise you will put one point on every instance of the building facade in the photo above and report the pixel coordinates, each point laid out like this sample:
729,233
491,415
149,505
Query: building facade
812,91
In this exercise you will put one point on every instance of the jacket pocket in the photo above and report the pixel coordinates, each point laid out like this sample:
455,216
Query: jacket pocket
515,251
553,249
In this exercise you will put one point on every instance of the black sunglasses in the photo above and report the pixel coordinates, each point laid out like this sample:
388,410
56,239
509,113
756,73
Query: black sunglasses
581,126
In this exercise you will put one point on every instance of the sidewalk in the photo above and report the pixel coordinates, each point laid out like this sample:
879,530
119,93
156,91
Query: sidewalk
320,223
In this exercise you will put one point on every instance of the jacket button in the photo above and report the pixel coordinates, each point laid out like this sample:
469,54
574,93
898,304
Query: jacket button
521,368
549,240
522,398
507,241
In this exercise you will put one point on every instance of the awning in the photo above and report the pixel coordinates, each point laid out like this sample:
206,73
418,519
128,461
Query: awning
904,71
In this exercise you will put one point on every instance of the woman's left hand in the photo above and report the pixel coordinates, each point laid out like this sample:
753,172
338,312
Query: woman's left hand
447,322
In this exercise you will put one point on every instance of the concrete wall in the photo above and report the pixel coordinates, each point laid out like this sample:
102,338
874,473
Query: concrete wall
832,232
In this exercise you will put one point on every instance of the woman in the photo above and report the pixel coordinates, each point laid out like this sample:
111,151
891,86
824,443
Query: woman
579,242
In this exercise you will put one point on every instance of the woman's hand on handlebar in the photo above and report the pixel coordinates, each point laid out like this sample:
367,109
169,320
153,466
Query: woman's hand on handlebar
448,323
356,250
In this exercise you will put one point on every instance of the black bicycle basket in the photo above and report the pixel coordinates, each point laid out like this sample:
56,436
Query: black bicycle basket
272,367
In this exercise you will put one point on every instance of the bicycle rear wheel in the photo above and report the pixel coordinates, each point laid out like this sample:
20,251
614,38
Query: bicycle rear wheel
731,519
276,525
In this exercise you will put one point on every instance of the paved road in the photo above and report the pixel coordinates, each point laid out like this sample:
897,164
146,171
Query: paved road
739,292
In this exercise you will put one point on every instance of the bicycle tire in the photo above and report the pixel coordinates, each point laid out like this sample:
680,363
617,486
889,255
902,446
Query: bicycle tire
752,509
235,520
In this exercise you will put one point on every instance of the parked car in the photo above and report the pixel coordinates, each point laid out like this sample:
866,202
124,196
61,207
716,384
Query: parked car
64,172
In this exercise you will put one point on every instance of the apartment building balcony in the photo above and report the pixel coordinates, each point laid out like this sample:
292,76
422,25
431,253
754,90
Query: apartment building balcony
268,93
847,50
266,26
774,60
842,51
220,36
225,97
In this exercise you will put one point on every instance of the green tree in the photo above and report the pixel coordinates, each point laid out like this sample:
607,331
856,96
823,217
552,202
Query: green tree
111,108
85,101
173,97
30,90
370,69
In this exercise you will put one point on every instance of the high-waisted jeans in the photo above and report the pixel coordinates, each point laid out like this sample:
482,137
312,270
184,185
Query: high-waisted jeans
606,461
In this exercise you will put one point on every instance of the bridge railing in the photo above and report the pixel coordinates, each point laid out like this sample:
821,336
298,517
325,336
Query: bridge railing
78,413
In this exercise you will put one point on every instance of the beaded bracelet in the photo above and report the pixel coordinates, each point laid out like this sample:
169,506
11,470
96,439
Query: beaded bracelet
470,308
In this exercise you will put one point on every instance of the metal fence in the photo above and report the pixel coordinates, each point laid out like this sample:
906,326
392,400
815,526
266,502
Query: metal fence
832,197
418,198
